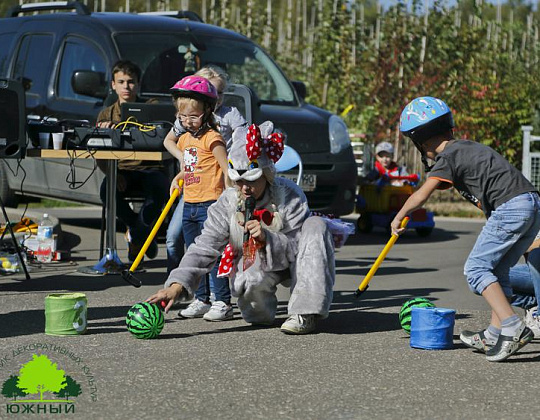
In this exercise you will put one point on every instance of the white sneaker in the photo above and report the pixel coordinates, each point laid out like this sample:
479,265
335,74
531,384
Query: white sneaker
532,320
219,311
299,324
195,309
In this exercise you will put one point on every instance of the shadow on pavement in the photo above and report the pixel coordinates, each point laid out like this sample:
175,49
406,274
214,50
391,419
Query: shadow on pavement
78,283
351,315
33,321
410,237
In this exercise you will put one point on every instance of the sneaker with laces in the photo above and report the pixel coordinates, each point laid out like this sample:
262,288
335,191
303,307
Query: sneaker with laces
195,309
506,345
219,311
299,324
532,320
476,340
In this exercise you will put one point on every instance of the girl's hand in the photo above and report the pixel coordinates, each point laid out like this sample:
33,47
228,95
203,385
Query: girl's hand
175,183
168,295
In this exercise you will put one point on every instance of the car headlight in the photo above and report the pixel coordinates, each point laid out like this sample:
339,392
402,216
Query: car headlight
339,135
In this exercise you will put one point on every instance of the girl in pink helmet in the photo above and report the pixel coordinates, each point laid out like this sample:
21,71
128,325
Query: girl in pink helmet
203,158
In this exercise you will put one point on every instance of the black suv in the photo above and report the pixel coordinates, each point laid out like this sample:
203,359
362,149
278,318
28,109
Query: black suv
48,51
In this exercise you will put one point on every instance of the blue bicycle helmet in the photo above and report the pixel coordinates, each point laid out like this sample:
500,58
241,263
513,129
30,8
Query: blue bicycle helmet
423,118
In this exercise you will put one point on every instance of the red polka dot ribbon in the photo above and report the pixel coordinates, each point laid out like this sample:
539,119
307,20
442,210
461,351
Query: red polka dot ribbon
272,145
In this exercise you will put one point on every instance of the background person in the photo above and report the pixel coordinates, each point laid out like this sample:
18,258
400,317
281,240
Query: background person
386,170
204,164
525,282
134,177
227,120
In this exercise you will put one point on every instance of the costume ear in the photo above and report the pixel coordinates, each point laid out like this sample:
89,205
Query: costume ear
266,128
253,142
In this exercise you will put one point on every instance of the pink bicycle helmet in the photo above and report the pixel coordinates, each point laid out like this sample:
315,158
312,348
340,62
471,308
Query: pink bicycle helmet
195,87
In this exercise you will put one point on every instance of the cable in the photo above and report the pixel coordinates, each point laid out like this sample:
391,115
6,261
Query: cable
122,125
71,176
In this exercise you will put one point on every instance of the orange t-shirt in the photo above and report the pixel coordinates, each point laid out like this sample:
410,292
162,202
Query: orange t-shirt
203,177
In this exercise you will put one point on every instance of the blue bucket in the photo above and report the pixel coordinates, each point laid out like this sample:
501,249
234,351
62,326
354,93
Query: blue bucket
432,328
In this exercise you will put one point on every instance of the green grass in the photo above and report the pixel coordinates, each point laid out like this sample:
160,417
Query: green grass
49,203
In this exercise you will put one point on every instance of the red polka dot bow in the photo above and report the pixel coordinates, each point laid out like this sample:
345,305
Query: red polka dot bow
272,145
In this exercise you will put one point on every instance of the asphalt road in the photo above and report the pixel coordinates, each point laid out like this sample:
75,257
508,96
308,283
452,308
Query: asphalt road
359,364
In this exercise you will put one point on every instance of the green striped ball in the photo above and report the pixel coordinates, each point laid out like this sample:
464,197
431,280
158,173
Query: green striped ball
405,313
145,320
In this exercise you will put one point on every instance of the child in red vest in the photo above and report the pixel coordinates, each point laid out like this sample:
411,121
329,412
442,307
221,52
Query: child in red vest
387,170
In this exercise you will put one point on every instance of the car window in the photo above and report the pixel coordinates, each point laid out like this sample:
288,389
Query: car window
5,44
78,54
166,58
32,58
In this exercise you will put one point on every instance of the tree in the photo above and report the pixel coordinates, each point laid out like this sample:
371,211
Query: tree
10,388
72,389
41,375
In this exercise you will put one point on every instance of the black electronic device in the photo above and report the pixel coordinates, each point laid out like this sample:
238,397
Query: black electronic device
148,112
97,138
12,120
146,140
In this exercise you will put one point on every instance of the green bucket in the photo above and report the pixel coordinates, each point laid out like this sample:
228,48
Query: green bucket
65,314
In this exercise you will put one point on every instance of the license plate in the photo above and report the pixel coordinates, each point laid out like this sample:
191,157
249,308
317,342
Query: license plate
309,181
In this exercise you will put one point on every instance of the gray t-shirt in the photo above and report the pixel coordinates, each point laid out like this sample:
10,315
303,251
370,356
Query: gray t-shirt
228,119
480,174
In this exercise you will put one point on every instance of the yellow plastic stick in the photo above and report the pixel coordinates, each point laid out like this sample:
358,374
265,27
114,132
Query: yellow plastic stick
156,227
363,286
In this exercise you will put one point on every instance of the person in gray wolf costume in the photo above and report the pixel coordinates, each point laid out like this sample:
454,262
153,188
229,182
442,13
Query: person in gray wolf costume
292,248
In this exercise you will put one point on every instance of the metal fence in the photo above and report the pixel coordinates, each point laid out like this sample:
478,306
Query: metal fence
531,158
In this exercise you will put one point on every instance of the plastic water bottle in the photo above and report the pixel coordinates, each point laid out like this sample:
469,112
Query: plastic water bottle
45,239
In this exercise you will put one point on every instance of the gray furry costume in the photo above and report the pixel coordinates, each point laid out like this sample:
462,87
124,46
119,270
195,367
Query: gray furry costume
299,250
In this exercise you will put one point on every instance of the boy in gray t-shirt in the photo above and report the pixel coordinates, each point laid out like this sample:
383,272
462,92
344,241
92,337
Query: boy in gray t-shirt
509,201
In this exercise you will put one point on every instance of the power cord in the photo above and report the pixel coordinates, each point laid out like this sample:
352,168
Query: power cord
131,121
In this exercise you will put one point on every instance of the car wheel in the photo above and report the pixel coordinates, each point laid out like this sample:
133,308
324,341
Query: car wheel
6,194
423,231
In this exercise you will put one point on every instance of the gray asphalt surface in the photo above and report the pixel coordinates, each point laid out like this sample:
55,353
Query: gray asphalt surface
359,364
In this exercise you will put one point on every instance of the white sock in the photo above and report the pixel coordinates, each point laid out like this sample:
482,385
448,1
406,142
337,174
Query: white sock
492,334
511,325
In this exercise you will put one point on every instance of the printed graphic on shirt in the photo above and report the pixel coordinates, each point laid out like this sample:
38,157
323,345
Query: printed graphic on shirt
190,159
471,198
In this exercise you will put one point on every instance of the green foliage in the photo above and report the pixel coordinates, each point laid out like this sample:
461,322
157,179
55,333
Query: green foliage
40,375
479,57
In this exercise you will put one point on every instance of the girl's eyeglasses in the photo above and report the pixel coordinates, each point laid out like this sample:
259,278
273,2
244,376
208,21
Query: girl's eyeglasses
190,118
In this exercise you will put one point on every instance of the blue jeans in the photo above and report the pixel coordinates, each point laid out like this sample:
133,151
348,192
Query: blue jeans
175,238
507,234
193,220
525,281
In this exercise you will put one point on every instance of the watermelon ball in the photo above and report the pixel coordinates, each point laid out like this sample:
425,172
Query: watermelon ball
405,313
145,320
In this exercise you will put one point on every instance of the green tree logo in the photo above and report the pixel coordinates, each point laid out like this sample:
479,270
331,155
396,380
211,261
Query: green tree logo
72,389
39,376
10,388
